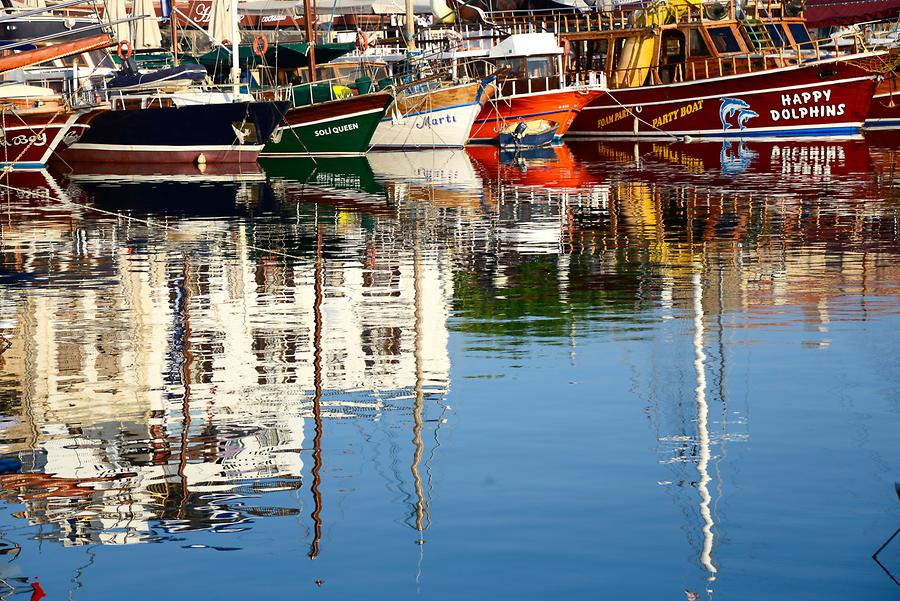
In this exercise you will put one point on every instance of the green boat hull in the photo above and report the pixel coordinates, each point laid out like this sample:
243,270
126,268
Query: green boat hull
337,128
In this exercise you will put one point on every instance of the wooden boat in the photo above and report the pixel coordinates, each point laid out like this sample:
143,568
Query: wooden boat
340,127
691,68
35,122
325,116
532,86
440,116
183,127
528,134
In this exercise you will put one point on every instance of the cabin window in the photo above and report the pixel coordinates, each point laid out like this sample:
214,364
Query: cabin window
598,52
698,44
778,35
516,66
724,40
671,61
540,67
478,69
297,76
801,36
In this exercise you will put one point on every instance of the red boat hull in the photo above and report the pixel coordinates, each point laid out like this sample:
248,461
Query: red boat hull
561,106
885,110
29,139
823,98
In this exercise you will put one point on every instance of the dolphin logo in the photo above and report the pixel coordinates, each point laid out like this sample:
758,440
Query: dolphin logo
730,106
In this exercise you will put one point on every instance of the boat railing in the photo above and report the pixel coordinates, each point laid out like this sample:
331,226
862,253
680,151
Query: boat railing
616,18
460,39
533,85
529,85
307,92
720,66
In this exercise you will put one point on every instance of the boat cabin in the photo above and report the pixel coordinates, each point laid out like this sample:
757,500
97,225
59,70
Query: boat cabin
524,63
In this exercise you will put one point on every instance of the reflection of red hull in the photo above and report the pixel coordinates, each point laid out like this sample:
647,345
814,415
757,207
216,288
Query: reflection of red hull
35,187
561,106
824,98
553,167
793,164
28,139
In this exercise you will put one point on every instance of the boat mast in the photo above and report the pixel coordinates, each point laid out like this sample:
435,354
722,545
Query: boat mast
235,48
410,26
419,404
310,39
173,26
703,437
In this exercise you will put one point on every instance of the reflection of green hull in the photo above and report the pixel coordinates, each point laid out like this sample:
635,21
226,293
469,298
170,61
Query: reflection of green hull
339,127
347,173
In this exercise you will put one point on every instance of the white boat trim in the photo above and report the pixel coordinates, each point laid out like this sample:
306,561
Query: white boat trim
287,155
164,148
839,130
335,118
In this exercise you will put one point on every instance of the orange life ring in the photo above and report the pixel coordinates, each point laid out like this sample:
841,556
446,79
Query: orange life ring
226,42
362,40
260,45
124,55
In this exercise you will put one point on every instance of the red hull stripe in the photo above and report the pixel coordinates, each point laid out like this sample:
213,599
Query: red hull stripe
161,156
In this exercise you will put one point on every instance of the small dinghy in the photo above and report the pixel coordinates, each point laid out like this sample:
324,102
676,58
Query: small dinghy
528,134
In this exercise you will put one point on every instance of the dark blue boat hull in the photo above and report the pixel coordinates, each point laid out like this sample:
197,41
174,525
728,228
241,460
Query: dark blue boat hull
228,132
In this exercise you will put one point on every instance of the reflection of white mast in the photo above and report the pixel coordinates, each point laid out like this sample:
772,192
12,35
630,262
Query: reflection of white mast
418,408
702,429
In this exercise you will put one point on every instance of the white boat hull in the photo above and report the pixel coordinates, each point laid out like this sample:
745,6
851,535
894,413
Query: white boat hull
446,127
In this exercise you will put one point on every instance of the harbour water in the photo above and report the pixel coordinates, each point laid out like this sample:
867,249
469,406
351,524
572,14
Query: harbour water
600,370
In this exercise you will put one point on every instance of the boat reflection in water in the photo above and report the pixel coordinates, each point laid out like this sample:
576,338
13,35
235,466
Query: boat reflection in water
242,351
442,177
167,398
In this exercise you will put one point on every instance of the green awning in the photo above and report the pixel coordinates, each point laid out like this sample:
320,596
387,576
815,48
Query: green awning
287,55
325,53
219,59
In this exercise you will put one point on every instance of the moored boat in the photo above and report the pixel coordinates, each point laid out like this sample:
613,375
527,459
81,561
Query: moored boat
532,86
817,99
325,117
35,122
705,69
440,117
528,134
340,127
175,128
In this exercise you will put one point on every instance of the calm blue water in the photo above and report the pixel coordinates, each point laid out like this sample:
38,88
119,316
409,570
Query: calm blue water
604,371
